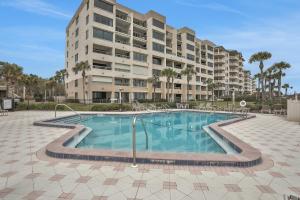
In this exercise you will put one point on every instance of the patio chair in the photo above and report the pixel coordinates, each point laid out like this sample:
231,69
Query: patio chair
266,110
280,111
3,112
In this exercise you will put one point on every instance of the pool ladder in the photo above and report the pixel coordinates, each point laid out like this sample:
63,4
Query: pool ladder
134,139
65,105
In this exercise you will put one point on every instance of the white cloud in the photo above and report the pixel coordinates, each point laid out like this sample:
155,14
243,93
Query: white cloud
36,6
212,6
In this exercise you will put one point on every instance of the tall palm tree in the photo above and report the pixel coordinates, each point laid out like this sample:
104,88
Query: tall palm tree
154,80
257,77
61,75
281,66
210,87
169,74
285,87
188,72
83,67
11,73
261,57
51,85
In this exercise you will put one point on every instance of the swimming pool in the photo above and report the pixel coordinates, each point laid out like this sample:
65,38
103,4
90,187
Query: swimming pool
176,132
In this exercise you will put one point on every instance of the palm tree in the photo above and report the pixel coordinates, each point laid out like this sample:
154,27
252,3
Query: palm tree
169,74
281,66
210,87
188,72
51,84
60,76
154,80
286,87
261,57
257,76
11,73
83,67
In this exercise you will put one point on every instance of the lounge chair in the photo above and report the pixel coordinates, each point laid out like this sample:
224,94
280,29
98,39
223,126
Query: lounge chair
209,106
3,112
280,111
266,110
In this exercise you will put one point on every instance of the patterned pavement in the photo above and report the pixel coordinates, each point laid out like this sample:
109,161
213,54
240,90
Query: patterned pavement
24,176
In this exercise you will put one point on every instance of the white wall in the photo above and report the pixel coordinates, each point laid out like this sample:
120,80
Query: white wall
293,110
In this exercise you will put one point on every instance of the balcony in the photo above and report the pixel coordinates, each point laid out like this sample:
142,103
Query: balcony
123,31
122,40
123,16
140,24
140,36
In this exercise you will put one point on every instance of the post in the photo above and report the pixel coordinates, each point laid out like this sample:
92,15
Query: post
134,142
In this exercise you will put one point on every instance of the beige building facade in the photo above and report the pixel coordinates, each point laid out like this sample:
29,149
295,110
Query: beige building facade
125,48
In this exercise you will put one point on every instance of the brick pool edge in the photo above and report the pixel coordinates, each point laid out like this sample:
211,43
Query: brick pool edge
247,157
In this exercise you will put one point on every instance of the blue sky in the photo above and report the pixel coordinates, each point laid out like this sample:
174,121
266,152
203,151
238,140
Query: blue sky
32,32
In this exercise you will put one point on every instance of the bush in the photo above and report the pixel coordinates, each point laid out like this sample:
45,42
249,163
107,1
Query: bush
72,101
111,107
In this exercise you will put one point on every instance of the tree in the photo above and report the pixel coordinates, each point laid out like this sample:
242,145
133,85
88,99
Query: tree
281,66
210,87
83,67
188,72
154,80
11,73
51,84
261,57
257,76
286,87
60,76
169,74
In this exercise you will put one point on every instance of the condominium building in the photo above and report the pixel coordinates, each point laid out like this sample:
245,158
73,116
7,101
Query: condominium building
125,48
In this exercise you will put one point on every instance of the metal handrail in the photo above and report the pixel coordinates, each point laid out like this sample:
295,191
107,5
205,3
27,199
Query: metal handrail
68,108
134,139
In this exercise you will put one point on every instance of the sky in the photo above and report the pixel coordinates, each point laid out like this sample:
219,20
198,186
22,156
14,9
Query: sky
32,32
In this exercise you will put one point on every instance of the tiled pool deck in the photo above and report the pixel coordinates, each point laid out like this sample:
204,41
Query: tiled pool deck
24,176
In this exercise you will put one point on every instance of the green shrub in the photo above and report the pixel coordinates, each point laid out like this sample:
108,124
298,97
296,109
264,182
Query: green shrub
111,107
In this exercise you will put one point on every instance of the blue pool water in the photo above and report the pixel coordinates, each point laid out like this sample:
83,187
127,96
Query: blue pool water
167,132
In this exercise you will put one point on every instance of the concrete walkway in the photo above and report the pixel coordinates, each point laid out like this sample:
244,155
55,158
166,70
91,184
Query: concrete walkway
24,176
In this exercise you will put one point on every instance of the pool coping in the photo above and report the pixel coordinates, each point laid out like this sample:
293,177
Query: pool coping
247,157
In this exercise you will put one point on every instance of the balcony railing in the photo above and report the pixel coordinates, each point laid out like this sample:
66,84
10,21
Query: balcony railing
139,35
124,17
122,56
123,31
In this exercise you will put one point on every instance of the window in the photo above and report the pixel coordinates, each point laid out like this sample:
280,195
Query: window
77,20
68,43
190,37
86,49
87,5
67,54
139,57
67,64
76,45
87,19
156,72
190,57
87,34
158,24
158,47
122,81
190,47
157,61
198,78
210,48
101,34
76,95
77,32
139,83
104,5
76,83
103,20
158,35
101,65
140,96
76,58
210,64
